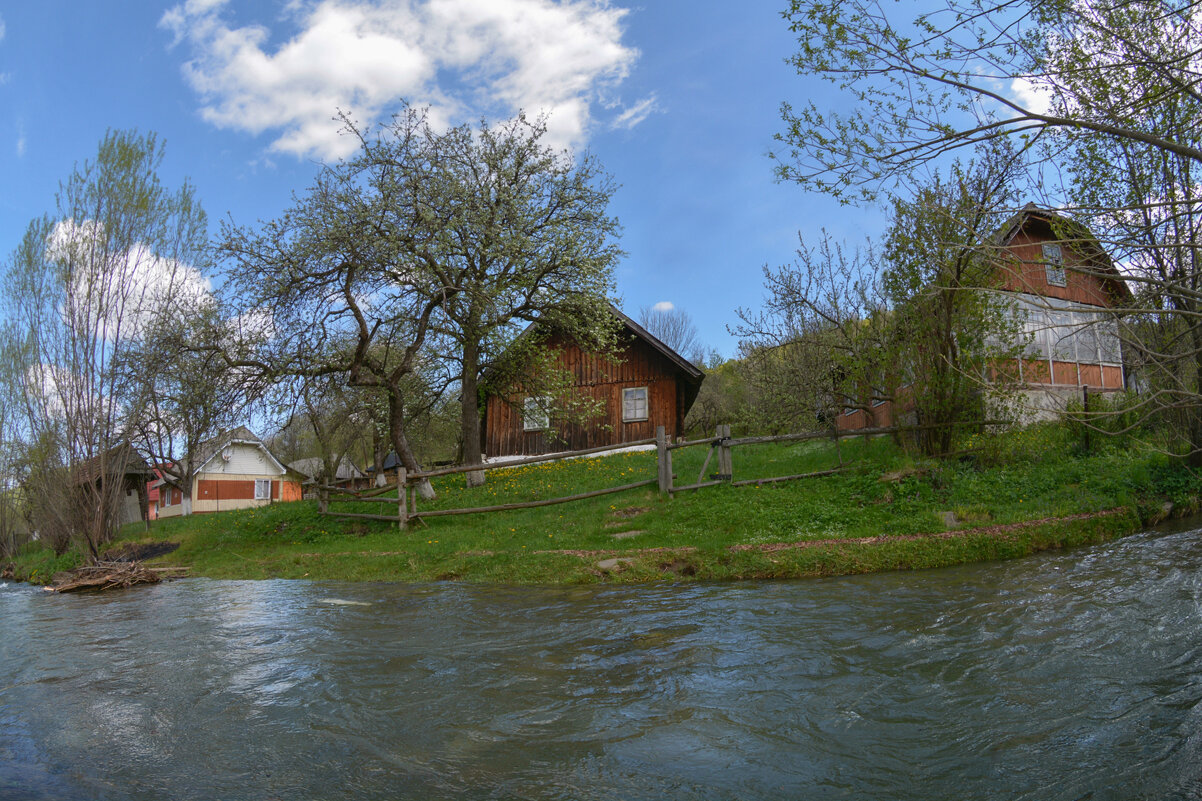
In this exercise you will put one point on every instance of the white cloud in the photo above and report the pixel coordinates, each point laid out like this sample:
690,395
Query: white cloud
664,306
20,138
121,293
1031,95
462,58
636,113
3,30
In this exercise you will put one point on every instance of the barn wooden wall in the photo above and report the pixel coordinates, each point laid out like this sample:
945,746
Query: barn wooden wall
599,379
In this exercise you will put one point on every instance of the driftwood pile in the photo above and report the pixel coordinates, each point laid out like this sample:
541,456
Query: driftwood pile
110,576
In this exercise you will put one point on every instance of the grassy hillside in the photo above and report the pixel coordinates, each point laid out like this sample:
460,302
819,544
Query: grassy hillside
1017,493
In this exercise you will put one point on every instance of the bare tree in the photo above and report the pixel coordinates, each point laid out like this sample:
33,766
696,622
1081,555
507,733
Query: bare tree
675,328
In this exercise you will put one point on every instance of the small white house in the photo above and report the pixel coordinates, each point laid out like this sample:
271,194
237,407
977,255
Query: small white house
236,471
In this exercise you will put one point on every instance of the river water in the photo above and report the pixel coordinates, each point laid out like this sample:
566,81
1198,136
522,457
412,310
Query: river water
1062,676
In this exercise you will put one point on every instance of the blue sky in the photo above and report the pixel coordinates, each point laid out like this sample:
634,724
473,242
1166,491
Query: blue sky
678,100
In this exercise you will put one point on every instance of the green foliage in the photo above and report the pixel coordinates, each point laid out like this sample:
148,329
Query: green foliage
1112,422
917,82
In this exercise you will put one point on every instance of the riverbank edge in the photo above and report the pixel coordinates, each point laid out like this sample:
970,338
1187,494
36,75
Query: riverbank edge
750,561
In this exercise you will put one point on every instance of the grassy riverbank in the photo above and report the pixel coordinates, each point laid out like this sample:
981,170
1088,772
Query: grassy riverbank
1018,493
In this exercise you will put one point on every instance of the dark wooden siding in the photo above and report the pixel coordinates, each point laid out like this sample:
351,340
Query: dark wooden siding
599,379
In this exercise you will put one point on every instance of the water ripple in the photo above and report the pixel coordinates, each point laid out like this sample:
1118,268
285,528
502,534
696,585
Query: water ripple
1062,676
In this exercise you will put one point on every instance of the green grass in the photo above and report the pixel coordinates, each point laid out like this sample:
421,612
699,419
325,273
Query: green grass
1019,478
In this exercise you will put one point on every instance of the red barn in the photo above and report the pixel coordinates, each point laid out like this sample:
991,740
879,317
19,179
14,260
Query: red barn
649,385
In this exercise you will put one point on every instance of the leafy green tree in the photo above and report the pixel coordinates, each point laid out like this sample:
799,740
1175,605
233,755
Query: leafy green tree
947,330
522,234
912,321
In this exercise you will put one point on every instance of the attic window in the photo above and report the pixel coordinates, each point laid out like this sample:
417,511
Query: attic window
634,404
534,414
1053,264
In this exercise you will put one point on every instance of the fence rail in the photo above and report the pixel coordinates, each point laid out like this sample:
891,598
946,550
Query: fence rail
721,445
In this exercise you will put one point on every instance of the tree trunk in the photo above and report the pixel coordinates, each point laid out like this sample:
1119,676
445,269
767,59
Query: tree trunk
400,443
469,420
144,504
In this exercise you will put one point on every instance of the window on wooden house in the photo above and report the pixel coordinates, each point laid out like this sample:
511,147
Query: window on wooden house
634,404
262,489
1053,265
534,413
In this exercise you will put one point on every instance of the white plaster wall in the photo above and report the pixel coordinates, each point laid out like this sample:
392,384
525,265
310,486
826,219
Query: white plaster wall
245,461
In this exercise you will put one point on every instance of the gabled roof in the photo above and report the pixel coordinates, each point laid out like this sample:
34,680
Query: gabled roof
236,436
691,370
692,374
1080,237
120,460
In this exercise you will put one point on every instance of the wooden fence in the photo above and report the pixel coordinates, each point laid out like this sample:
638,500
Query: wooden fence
721,445
407,489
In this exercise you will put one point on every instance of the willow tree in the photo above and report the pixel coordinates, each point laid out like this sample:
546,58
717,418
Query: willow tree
87,284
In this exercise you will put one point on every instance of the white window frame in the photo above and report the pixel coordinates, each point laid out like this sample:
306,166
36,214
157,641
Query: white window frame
1053,265
535,415
633,416
262,489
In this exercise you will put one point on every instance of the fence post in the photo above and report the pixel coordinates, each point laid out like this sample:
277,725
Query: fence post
663,460
323,500
402,488
725,467
1085,414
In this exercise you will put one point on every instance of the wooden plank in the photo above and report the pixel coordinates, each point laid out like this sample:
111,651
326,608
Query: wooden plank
701,484
391,518
708,455
402,490
725,463
663,468
532,504
775,479
555,457
364,500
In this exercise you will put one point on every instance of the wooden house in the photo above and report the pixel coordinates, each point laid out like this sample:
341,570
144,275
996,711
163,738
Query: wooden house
235,470
1063,288
648,385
